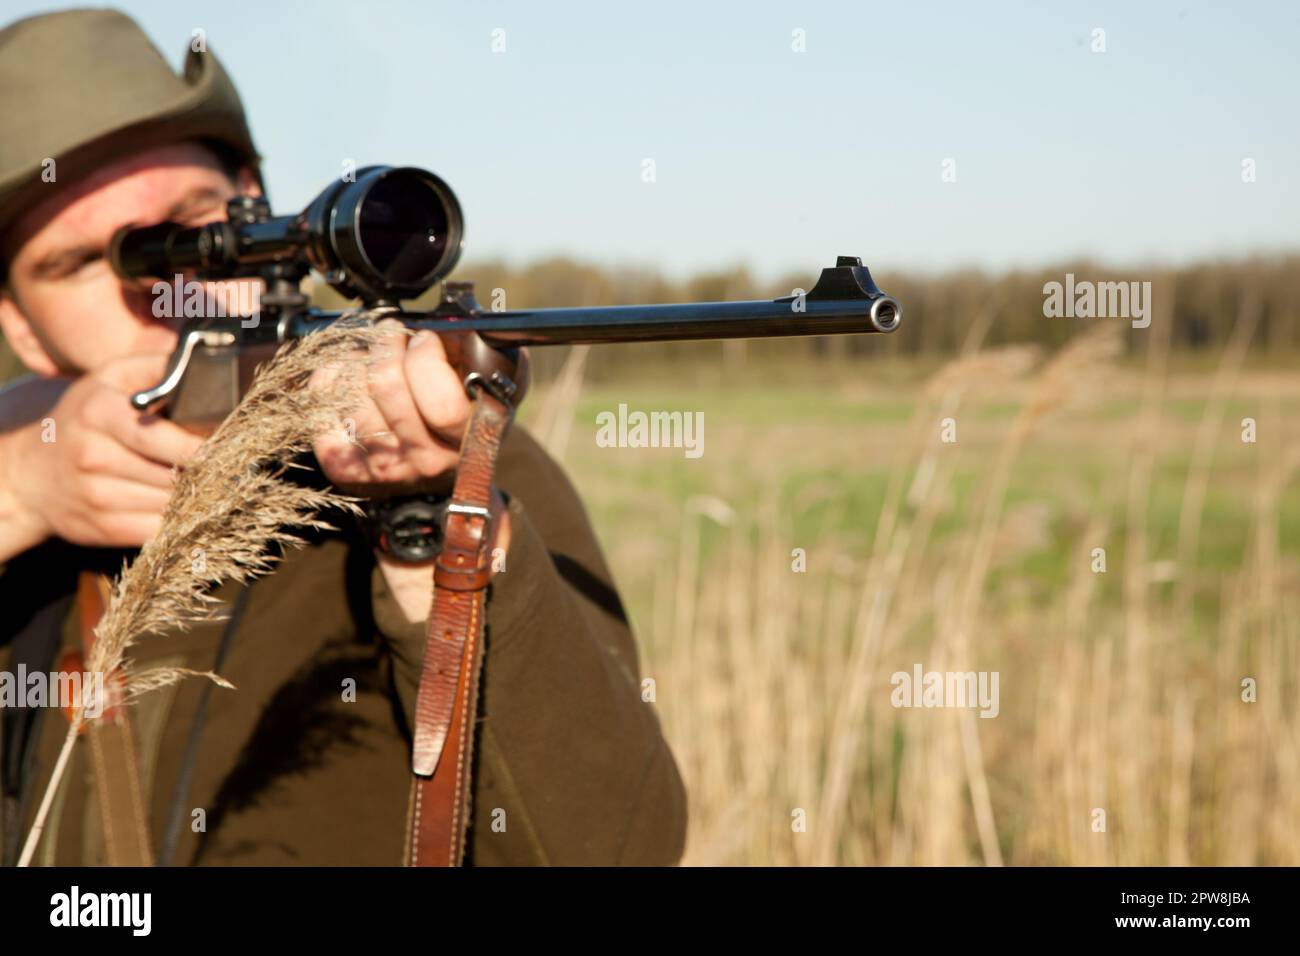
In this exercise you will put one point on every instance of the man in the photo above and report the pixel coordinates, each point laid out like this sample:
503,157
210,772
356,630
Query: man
308,761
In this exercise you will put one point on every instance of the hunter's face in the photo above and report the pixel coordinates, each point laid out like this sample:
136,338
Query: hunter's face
64,311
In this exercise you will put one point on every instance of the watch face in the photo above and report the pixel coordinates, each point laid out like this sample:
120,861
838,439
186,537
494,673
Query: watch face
410,530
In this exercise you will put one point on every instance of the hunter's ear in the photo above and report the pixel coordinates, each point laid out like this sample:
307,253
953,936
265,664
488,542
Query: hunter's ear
21,337
247,182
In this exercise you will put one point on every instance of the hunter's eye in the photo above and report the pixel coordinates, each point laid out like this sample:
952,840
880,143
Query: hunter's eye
201,217
77,265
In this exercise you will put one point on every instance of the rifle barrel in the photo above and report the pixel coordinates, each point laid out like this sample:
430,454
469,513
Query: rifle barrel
594,325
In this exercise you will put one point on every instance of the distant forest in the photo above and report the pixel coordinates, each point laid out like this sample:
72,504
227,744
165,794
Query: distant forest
1204,301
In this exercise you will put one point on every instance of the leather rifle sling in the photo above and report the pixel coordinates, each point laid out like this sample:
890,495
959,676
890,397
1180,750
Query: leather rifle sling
112,747
449,679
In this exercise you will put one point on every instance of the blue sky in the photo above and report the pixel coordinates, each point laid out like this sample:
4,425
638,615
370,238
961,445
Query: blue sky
781,160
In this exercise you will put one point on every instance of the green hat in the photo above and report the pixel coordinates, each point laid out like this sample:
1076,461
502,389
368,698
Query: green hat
86,88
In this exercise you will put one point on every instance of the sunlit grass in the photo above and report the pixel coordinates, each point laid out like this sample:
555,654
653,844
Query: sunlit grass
1114,696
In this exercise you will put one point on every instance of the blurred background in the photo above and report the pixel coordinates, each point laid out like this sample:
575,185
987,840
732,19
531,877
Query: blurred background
1115,530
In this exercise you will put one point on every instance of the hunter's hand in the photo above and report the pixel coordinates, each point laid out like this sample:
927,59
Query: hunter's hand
77,461
409,426
408,430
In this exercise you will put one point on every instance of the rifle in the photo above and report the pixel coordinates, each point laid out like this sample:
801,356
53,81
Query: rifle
389,234
386,235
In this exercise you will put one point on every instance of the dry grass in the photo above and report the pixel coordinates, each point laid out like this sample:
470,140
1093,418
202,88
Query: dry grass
1117,694
230,515
234,508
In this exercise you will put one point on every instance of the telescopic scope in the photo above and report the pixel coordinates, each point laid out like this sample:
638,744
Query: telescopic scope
388,233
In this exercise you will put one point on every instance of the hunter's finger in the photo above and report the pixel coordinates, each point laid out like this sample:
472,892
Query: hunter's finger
127,530
391,391
155,438
127,465
108,494
437,388
322,378
341,460
103,454
134,373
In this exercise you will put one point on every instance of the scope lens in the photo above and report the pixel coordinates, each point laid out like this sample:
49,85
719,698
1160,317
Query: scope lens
403,228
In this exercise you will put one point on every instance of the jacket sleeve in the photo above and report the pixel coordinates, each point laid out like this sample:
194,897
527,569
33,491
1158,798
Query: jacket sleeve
572,767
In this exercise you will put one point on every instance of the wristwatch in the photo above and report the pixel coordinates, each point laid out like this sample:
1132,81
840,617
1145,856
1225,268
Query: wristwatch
409,528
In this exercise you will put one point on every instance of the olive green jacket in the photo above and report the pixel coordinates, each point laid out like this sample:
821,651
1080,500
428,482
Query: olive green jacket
307,761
